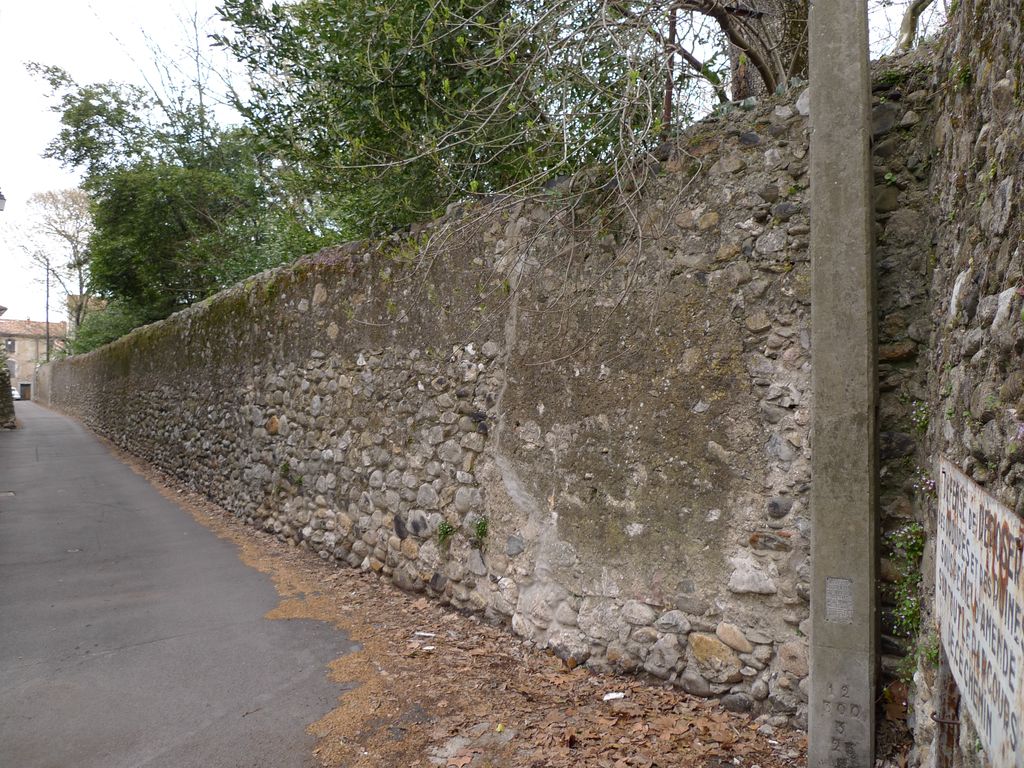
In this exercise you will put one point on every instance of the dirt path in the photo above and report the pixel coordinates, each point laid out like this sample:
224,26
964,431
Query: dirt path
431,687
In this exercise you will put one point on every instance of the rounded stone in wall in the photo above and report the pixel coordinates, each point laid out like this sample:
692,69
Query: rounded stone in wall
716,661
426,497
450,452
637,613
515,545
467,499
792,657
738,702
733,636
663,657
694,683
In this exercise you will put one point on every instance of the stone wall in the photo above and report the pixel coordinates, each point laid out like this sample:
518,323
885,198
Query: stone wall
975,384
6,400
587,422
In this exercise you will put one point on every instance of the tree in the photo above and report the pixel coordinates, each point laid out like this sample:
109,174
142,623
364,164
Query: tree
768,44
363,104
909,25
62,223
181,206
103,326
384,110
169,234
102,124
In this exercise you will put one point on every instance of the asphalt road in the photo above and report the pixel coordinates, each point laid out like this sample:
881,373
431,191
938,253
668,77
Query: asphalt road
130,635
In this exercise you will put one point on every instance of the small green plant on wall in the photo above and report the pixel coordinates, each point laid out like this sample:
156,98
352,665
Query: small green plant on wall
919,415
480,526
285,471
928,648
445,532
960,75
907,546
926,652
923,484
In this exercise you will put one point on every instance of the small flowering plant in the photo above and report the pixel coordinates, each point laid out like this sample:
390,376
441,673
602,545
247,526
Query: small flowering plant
923,483
919,415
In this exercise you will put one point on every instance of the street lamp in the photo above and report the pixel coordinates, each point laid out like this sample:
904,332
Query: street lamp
3,201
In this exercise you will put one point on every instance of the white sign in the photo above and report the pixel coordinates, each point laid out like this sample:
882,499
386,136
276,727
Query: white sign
979,607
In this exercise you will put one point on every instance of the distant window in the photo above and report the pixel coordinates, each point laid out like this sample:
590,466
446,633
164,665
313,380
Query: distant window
13,368
9,344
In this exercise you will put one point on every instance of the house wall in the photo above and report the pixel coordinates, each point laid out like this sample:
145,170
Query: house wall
29,351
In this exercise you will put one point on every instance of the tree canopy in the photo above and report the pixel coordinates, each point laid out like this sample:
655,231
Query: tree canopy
387,110
181,207
59,244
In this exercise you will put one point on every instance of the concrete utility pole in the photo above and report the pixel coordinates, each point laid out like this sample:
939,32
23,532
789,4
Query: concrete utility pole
844,432
47,310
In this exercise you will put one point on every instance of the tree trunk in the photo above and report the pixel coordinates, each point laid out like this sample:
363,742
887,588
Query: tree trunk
768,45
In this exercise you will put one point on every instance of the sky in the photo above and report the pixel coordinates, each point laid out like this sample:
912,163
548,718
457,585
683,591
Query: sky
95,41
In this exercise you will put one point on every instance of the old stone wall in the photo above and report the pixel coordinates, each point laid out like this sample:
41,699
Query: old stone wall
974,409
589,422
6,400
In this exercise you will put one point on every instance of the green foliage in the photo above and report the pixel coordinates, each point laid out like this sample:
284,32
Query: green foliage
480,529
286,474
892,77
168,235
152,246
101,123
906,668
181,207
445,532
929,647
104,325
382,113
370,107
925,651
960,75
919,416
907,546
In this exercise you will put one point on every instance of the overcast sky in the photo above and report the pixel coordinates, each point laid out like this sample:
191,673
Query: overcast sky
95,41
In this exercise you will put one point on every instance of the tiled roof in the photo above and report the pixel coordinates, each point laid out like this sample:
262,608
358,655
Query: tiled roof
32,328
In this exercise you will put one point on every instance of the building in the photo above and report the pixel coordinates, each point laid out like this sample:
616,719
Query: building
25,347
